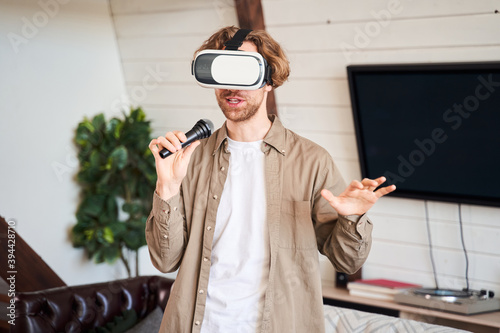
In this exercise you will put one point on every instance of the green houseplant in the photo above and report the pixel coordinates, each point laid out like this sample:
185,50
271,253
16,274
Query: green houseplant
117,173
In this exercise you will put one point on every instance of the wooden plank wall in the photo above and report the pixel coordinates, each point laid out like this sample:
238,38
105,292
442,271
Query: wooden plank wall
322,37
160,37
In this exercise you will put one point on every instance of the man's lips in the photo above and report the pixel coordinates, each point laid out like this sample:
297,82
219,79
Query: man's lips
234,101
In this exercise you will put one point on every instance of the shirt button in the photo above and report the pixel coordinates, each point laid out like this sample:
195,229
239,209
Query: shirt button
197,323
222,169
205,259
350,223
215,197
201,291
175,209
165,236
209,228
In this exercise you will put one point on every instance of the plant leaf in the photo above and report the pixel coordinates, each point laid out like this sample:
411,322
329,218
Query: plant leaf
119,157
133,240
110,254
108,235
92,205
99,122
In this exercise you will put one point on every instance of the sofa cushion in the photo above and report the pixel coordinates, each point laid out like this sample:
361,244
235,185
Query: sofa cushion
347,320
149,324
119,324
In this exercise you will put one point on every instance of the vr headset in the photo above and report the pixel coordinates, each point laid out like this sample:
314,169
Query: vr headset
230,68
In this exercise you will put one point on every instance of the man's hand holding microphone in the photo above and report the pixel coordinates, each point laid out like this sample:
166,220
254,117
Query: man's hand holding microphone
172,170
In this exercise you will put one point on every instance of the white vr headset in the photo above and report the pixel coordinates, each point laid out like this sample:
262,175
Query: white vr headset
230,68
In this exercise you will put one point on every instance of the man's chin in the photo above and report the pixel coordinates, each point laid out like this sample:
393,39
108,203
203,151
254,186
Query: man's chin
238,115
235,116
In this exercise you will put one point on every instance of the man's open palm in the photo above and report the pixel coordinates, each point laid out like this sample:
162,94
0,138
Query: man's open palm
358,197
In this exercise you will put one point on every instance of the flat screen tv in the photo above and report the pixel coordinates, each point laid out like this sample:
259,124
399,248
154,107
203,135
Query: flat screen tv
432,129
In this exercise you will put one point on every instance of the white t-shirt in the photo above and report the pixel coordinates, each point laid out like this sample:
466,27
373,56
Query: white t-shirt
240,250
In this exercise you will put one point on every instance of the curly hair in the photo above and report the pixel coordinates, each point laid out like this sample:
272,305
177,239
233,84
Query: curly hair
266,46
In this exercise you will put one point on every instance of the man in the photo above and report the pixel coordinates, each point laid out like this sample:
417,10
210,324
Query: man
243,214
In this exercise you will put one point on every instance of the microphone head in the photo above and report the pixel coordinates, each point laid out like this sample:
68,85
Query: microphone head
206,126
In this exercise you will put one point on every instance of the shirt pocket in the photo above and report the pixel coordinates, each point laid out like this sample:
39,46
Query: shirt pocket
296,227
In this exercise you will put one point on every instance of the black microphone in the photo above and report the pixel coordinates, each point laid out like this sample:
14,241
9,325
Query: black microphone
201,130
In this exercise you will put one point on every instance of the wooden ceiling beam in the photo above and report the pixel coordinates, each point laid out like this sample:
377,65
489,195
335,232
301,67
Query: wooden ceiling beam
251,16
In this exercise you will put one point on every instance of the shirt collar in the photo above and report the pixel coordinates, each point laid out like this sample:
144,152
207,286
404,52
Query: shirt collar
276,135
275,138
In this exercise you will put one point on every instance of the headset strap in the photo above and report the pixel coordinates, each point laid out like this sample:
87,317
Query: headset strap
234,43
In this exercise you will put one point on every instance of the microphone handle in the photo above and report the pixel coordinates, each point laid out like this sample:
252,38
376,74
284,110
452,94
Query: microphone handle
191,135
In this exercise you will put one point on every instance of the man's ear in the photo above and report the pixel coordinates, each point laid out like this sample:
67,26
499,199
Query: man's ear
268,87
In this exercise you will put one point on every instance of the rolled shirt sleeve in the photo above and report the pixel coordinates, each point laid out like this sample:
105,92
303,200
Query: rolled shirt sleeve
349,243
345,240
166,233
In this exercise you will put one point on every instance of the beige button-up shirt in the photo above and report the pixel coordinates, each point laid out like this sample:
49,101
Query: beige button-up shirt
179,232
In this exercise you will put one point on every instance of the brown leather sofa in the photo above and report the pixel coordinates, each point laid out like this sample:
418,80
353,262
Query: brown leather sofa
87,307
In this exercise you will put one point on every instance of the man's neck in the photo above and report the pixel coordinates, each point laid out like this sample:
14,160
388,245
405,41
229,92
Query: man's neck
253,129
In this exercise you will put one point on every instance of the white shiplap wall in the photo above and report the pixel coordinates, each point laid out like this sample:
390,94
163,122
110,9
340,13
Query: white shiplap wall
322,37
160,37
66,67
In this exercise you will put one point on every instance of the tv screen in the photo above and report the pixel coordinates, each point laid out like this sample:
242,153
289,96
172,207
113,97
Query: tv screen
432,129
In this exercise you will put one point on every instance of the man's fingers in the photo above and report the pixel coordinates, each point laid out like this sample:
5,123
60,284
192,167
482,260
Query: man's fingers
171,141
188,151
180,135
369,182
153,145
372,184
380,180
156,145
329,196
385,190
355,184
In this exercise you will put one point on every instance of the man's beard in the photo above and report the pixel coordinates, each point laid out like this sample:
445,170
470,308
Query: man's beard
241,113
